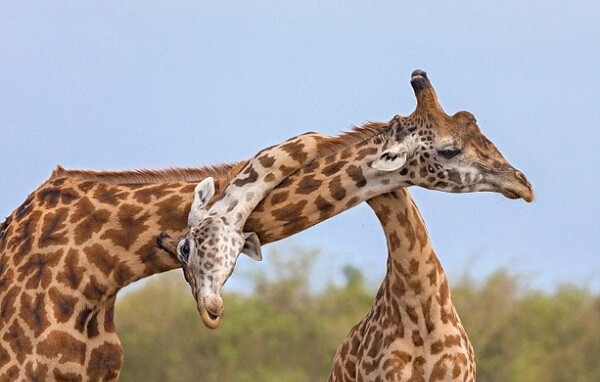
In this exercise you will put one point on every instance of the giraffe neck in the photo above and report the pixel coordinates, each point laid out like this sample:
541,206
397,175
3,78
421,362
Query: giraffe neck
413,273
330,184
262,173
412,330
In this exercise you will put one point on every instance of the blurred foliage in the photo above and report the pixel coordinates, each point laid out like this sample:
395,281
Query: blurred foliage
283,331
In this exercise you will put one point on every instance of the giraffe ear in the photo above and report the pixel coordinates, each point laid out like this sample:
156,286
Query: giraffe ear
391,159
252,246
203,192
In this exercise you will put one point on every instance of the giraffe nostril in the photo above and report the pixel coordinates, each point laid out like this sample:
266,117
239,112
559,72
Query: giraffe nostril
521,177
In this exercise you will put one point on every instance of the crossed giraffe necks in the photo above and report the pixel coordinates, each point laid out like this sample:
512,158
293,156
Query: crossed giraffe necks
79,238
412,332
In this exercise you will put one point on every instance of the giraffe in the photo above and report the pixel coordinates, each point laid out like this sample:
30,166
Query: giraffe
215,239
401,155
412,332
81,236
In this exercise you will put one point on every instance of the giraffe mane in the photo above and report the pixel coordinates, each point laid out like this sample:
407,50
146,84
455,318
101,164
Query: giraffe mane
142,176
225,170
358,134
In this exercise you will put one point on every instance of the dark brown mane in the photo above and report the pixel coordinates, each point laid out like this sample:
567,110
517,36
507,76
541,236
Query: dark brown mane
357,135
228,171
190,174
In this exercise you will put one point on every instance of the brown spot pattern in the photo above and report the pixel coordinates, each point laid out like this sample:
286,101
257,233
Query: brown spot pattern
89,220
295,151
173,213
324,207
364,152
33,312
39,269
251,177
66,377
48,197
270,177
52,226
333,168
101,258
4,356
94,290
71,274
63,305
63,346
105,361
289,212
131,226
106,194
279,197
308,185
123,275
266,161
18,341
335,188
7,304
147,194
23,241
37,374
417,339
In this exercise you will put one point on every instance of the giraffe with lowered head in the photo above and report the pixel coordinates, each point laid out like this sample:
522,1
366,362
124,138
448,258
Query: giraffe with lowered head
216,237
82,236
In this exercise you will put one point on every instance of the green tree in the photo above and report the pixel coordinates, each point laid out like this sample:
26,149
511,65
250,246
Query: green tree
286,331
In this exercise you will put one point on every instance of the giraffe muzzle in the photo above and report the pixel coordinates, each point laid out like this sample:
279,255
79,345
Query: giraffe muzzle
211,311
515,186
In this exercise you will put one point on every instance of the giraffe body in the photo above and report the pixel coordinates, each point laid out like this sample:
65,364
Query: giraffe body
412,332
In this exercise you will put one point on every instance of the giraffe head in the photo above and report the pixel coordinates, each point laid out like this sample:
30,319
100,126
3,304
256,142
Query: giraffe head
447,152
208,252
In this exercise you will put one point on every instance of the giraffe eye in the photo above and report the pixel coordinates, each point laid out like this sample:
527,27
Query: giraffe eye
449,153
184,251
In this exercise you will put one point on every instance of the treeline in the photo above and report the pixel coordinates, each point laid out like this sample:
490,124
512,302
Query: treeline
284,332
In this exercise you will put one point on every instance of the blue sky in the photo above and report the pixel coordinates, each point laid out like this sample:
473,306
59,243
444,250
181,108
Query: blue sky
119,85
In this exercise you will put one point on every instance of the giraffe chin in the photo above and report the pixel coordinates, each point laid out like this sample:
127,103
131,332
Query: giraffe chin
210,319
525,193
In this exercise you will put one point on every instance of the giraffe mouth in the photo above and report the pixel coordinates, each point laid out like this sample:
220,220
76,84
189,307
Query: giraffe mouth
212,316
510,194
525,193
513,185
522,190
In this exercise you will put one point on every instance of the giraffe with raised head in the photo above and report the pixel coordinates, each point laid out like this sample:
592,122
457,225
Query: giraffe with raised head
406,152
82,236
412,332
